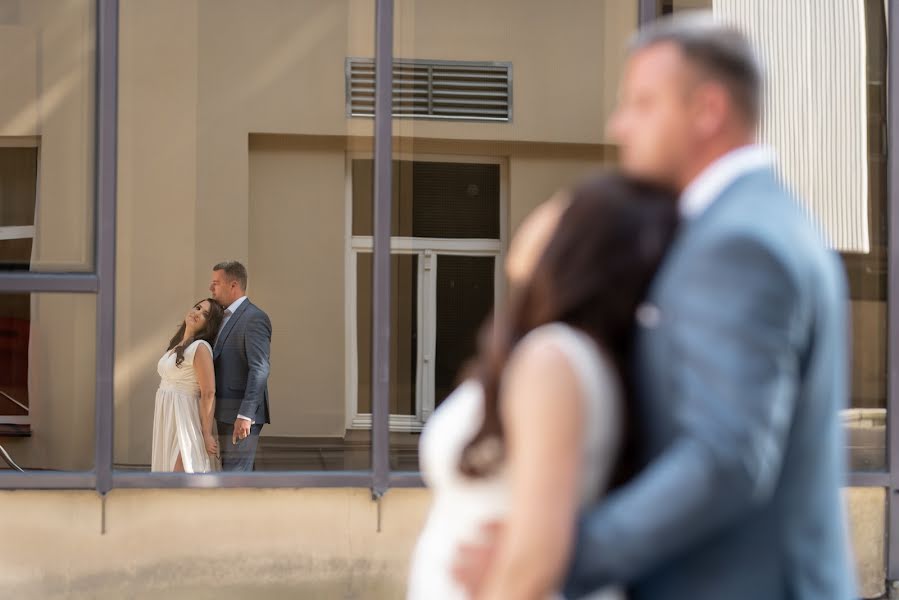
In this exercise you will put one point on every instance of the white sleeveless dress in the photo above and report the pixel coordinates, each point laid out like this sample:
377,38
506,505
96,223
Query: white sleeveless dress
176,424
461,505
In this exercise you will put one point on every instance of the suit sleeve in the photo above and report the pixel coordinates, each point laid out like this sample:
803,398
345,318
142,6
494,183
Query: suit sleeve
257,344
735,330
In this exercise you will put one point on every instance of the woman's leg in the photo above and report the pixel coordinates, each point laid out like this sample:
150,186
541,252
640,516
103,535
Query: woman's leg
179,467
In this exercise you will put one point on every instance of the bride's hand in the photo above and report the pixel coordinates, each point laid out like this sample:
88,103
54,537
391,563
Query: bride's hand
212,445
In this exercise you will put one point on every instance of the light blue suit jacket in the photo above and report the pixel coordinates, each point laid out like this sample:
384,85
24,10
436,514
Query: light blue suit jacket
741,372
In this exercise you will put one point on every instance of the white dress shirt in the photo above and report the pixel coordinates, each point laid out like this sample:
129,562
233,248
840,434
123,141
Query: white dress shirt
709,184
228,312
231,310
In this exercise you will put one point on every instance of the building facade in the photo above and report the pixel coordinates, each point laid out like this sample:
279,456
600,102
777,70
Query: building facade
143,141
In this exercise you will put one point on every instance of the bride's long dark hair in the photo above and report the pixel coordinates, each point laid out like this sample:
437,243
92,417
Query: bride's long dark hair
593,275
207,332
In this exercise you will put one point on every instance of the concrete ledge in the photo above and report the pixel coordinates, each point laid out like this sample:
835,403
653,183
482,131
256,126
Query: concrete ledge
209,544
239,543
867,521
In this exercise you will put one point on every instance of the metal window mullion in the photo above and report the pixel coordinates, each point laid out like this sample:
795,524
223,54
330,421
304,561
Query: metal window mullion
61,283
47,480
383,185
893,285
252,479
648,11
106,132
406,479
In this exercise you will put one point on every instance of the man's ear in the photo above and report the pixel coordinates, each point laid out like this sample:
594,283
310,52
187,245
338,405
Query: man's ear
714,104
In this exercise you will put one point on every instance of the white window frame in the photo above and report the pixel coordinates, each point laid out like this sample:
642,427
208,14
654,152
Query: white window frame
428,250
22,232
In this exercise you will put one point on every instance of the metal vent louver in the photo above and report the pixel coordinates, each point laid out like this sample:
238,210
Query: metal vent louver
431,89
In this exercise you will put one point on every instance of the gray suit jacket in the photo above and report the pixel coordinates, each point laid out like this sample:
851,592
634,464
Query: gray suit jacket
740,375
241,357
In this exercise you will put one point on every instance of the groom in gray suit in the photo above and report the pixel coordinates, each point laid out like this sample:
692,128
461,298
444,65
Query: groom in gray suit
741,354
741,360
241,359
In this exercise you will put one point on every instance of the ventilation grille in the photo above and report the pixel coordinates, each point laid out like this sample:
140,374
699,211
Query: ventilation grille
430,89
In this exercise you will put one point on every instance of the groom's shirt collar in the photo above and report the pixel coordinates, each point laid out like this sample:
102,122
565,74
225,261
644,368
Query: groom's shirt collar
712,181
230,311
235,305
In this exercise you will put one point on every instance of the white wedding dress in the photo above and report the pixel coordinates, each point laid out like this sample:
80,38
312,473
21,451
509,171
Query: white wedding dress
176,424
462,505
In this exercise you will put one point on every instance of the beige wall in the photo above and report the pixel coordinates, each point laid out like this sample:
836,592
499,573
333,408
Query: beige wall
319,544
534,179
297,227
566,63
157,214
296,246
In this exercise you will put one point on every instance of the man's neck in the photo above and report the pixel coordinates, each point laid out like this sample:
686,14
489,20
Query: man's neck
708,155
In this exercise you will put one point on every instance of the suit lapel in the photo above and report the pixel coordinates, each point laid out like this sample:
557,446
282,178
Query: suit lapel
226,330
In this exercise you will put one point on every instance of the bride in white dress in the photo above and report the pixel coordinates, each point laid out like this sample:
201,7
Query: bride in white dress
537,432
184,439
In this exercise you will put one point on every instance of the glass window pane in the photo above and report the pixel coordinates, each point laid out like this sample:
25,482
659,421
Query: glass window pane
432,199
233,145
505,123
47,380
403,333
465,287
455,200
47,135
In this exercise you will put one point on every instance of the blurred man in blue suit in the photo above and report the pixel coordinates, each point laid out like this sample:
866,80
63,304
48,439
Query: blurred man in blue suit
741,360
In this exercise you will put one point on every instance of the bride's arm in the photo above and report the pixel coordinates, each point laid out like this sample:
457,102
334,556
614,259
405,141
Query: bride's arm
206,378
543,417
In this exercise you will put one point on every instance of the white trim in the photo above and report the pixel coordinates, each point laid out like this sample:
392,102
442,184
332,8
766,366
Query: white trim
349,300
422,314
17,232
427,250
401,423
428,330
14,401
11,420
505,208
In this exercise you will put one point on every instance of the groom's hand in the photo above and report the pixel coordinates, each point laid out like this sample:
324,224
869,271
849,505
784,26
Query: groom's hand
473,562
241,430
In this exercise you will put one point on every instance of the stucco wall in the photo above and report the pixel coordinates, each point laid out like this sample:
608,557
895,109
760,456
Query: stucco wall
318,544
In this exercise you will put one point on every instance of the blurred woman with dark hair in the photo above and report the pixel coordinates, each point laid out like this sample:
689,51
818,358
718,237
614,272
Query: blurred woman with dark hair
541,427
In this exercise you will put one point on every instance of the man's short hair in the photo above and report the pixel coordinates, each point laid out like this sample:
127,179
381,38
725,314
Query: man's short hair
720,51
234,271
